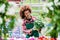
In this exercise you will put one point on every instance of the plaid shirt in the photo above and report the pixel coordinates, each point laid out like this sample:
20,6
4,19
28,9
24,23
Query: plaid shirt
24,26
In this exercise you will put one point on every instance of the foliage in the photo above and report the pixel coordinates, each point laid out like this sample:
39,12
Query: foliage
3,28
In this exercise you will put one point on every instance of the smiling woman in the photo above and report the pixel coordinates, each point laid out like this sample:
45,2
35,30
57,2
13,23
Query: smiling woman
28,22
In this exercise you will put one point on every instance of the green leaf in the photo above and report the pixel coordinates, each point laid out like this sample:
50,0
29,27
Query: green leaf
11,24
54,34
38,24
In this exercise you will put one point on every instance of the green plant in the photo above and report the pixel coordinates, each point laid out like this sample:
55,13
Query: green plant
53,14
3,28
38,24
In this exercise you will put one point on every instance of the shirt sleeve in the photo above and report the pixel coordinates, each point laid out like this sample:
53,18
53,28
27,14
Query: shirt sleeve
24,28
34,18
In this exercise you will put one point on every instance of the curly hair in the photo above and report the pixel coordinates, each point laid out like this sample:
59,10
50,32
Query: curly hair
23,9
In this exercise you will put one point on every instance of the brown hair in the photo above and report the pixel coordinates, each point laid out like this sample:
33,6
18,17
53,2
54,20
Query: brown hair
23,9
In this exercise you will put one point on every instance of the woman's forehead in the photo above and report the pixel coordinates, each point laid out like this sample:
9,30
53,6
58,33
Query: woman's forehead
27,11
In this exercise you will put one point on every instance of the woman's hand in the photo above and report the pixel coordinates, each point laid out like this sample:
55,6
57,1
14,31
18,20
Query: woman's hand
30,31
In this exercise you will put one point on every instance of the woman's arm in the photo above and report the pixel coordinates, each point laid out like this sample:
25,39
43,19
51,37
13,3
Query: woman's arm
24,28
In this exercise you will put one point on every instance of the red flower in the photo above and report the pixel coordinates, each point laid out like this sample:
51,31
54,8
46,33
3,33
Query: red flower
43,38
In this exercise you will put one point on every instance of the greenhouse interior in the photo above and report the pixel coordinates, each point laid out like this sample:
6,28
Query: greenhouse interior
46,25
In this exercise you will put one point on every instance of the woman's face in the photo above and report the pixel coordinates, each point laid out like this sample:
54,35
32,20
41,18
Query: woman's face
27,13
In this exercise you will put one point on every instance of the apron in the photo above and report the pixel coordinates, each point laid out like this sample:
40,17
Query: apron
30,25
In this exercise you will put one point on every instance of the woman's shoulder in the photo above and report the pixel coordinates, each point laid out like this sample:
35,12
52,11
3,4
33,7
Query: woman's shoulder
24,20
33,17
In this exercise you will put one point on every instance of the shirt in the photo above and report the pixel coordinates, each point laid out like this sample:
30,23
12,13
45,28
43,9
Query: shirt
25,30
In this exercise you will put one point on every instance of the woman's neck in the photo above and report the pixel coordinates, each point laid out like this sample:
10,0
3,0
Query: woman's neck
29,17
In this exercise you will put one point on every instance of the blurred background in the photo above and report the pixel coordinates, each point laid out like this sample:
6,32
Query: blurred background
46,11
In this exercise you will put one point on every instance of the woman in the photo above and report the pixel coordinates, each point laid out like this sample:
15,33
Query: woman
28,22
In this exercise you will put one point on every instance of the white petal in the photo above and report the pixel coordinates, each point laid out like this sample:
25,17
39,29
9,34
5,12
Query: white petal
2,8
55,1
45,10
51,8
50,4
